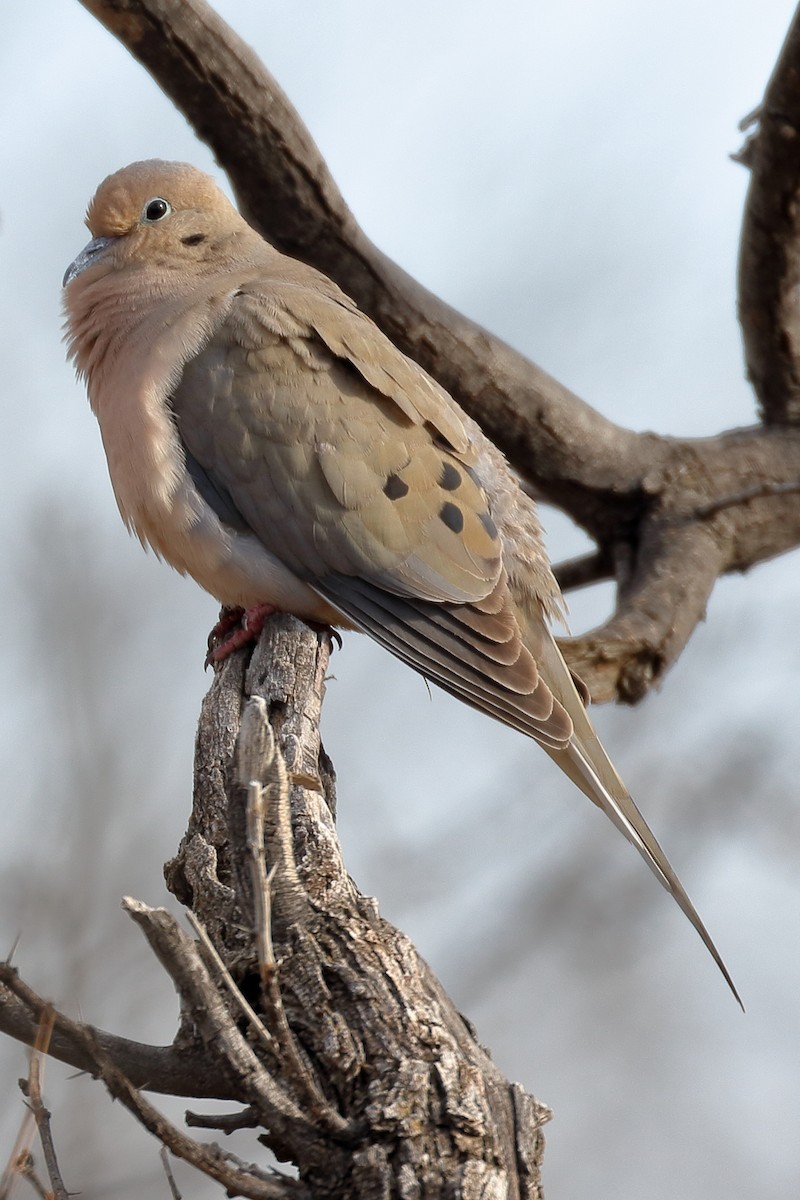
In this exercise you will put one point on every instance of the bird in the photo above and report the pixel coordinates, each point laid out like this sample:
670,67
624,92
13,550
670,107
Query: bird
267,439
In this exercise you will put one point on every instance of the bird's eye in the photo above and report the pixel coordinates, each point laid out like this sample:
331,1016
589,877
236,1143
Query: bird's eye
155,210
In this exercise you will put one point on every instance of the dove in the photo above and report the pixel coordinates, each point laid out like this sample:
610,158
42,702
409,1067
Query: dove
266,438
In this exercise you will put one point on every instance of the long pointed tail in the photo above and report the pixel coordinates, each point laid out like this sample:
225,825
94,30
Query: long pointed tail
588,766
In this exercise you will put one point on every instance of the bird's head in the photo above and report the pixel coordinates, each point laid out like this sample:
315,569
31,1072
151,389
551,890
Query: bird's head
164,214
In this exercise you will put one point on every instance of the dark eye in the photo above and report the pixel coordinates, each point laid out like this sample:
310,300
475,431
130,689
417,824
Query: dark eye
155,210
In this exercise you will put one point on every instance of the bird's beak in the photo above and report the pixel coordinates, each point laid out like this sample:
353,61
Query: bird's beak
88,256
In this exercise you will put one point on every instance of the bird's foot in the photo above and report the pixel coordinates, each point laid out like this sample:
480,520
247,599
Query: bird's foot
236,628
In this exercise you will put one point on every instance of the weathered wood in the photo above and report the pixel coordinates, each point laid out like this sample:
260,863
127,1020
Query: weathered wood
423,1111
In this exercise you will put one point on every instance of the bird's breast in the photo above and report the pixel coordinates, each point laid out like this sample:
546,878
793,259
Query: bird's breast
156,496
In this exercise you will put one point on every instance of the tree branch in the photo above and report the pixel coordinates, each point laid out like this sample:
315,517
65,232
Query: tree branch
164,1069
32,1088
684,543
769,257
207,1158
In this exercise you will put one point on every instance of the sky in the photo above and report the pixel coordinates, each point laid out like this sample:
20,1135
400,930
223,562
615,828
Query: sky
562,174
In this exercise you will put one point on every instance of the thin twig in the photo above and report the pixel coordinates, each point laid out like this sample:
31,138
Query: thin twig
211,1159
21,1160
236,994
167,1069
173,1187
579,572
268,829
24,1168
203,1004
325,1114
20,1153
259,758
759,491
261,879
303,1081
224,1122
40,1112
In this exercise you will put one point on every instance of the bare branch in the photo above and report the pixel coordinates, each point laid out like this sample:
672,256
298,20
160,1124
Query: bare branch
20,1159
663,602
757,492
209,1159
25,1168
390,1082
21,1162
173,1187
225,1122
258,759
212,956
262,881
33,1090
684,543
261,771
769,258
203,1005
163,1069
580,572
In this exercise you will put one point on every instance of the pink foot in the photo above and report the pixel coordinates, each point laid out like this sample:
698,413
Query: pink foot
236,628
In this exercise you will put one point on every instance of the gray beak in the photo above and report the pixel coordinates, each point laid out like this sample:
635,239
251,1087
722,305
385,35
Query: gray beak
88,256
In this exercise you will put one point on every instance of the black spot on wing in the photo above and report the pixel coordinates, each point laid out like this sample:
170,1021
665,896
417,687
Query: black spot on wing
452,516
450,477
395,487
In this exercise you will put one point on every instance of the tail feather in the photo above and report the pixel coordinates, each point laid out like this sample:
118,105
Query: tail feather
586,763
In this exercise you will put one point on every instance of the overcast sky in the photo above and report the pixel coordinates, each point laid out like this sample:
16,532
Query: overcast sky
562,173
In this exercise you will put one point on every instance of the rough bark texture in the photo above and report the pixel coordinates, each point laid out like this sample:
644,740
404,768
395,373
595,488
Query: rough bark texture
423,1111
769,261
299,1000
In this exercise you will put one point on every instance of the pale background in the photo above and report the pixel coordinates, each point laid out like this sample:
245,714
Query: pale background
561,173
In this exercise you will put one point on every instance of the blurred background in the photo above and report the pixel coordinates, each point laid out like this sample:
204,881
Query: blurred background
562,174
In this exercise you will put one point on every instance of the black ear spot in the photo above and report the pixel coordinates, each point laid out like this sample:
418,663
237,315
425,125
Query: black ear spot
395,487
450,478
194,239
452,516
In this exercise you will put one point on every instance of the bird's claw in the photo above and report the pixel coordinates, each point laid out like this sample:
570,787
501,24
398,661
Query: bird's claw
236,627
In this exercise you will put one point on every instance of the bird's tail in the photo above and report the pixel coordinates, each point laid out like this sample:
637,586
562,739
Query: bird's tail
588,766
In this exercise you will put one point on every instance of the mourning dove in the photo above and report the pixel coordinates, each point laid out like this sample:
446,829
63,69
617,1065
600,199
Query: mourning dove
267,439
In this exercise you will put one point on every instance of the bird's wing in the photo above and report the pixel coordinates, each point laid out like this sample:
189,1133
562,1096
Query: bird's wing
356,471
